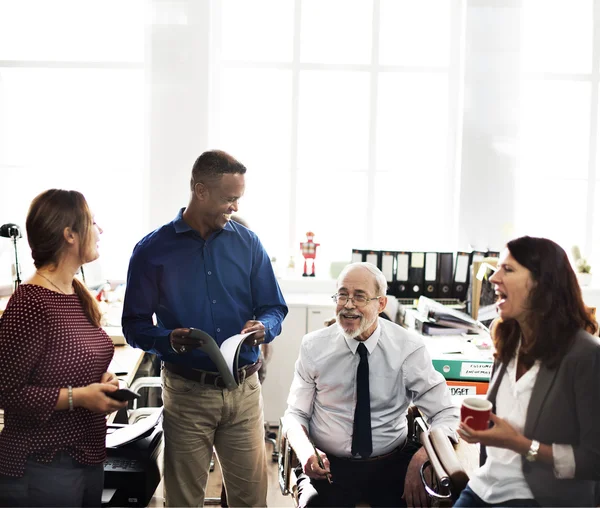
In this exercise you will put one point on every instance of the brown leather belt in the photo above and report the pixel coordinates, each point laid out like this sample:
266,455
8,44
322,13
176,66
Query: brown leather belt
210,378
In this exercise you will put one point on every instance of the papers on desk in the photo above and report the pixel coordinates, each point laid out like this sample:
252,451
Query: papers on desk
129,433
445,345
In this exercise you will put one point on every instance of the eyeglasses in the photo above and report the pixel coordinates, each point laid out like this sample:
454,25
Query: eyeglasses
357,300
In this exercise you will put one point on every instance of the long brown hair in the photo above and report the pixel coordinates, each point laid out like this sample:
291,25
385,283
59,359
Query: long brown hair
555,305
49,214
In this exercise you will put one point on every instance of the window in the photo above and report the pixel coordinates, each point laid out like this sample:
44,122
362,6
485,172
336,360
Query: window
342,110
72,116
556,174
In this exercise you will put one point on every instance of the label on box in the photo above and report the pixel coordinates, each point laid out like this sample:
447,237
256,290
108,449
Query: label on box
462,390
469,369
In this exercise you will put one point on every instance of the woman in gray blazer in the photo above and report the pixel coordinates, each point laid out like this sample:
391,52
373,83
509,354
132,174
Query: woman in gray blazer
543,444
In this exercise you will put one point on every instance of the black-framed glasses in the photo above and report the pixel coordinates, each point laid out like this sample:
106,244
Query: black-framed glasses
357,300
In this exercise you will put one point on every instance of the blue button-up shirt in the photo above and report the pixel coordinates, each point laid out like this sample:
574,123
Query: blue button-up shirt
216,285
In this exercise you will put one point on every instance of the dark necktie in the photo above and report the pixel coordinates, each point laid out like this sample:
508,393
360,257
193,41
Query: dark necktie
361,437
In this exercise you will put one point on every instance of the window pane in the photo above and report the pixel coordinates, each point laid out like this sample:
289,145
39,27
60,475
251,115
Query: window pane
71,117
265,205
72,30
115,196
557,35
414,33
333,119
554,129
254,115
333,205
260,30
336,31
254,125
79,129
554,209
412,211
412,123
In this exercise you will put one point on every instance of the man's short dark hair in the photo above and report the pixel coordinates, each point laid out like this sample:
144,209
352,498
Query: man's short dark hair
212,165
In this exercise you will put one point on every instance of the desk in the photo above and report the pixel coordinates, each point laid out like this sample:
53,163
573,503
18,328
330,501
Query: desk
125,364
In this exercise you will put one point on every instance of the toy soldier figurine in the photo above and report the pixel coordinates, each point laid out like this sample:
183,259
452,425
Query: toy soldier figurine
309,251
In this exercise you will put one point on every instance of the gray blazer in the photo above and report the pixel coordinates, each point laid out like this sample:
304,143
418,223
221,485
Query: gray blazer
565,409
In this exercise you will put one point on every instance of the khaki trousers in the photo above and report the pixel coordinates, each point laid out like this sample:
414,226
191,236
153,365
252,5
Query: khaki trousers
198,417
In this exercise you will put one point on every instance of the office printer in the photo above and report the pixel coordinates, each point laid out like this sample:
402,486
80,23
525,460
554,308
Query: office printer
131,471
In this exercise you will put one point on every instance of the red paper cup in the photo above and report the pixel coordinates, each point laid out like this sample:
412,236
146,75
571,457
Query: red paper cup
475,412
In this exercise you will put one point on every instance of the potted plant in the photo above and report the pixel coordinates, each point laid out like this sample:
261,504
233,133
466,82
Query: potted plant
582,267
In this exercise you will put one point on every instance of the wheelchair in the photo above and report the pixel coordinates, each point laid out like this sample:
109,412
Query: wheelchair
444,474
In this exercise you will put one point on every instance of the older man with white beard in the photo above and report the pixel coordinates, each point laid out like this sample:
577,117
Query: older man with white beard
347,407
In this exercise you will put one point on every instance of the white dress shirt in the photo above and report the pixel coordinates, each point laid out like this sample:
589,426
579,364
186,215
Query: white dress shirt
501,477
323,393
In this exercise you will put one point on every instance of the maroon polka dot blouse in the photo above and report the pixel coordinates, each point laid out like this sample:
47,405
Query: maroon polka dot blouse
47,343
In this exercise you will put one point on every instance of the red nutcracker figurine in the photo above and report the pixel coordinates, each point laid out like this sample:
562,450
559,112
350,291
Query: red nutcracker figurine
309,251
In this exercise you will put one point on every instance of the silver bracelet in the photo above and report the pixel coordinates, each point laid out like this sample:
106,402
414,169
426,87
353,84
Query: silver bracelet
70,393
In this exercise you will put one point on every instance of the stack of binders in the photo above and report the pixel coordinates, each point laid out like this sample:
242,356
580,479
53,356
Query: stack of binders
433,318
442,275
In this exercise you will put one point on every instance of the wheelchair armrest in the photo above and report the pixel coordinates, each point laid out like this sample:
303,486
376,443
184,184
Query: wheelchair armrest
449,459
439,472
449,474
286,462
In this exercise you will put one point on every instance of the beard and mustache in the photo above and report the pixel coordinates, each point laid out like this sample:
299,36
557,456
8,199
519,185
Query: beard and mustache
363,326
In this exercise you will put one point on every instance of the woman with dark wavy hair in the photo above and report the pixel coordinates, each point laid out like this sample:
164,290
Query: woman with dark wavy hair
54,358
543,445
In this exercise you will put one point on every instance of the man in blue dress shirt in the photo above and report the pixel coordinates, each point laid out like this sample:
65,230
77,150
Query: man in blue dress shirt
203,270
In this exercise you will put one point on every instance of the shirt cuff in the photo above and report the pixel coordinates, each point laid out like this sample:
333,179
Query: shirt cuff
449,431
564,461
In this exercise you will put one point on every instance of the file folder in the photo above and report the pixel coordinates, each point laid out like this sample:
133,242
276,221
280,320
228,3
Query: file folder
428,327
463,370
477,255
430,286
373,257
400,285
446,266
467,388
387,267
416,274
357,256
461,276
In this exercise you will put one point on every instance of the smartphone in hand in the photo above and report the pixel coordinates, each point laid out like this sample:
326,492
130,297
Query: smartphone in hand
123,394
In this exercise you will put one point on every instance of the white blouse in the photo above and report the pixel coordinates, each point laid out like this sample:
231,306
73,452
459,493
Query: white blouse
501,477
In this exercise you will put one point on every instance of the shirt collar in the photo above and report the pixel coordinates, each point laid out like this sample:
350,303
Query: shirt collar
370,343
181,226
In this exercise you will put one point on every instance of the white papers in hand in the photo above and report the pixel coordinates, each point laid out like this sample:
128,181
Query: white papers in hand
229,349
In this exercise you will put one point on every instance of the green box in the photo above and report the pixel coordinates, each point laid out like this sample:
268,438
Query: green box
463,370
